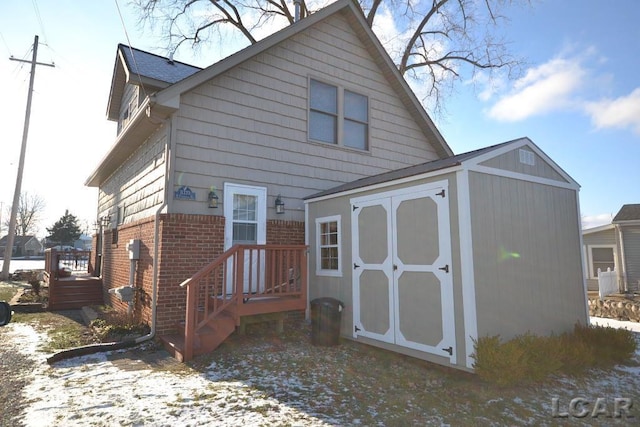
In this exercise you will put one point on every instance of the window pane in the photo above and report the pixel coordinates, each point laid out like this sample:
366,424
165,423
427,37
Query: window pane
322,127
602,254
244,233
355,106
244,207
355,135
324,97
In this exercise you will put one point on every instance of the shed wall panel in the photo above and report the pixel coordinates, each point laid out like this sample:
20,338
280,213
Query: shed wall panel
341,287
527,257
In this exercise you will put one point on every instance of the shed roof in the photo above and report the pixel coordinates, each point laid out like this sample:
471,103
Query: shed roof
420,169
473,157
629,212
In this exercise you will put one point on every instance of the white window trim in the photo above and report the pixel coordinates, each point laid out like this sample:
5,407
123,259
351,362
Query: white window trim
320,271
590,256
340,116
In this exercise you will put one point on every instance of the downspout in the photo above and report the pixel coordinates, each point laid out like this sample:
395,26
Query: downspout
96,348
156,234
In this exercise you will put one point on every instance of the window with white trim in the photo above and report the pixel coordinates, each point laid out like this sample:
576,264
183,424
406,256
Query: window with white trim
328,246
601,257
338,116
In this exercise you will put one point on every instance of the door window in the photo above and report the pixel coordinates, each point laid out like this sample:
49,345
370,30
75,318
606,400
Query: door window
245,224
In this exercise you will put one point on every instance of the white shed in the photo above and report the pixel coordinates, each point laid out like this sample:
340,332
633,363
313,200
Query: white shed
428,258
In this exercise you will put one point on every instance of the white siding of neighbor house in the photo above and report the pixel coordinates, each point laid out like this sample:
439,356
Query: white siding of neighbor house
249,125
138,184
631,239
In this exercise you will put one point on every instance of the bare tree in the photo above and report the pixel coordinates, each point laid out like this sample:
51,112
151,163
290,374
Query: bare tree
435,43
30,208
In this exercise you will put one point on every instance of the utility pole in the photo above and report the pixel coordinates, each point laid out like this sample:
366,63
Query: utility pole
11,232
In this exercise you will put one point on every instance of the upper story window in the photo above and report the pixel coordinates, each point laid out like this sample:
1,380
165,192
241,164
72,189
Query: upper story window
338,116
129,109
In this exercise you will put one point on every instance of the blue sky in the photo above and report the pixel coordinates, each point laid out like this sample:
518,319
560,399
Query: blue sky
578,98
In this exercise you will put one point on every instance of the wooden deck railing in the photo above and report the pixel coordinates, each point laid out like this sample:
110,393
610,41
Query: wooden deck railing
74,261
243,274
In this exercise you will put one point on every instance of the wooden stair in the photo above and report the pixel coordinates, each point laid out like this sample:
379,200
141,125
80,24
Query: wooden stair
207,338
74,293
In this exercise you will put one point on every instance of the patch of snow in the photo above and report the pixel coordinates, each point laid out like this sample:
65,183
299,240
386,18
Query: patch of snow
613,323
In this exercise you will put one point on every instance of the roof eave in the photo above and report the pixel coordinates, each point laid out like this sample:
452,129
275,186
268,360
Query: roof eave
147,119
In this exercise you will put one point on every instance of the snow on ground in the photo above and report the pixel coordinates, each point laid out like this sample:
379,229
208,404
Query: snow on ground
93,390
613,323
103,389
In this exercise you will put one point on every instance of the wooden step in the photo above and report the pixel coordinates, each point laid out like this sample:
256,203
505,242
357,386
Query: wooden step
206,339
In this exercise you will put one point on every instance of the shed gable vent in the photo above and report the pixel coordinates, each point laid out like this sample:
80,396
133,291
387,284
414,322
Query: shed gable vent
527,157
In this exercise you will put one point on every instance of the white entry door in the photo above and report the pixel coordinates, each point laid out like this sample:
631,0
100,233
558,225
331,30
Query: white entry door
402,279
245,212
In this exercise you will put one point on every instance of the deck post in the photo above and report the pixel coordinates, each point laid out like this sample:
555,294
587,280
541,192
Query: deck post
190,320
239,281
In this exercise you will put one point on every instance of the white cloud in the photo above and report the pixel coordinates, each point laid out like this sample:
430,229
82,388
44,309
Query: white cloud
545,88
622,112
590,221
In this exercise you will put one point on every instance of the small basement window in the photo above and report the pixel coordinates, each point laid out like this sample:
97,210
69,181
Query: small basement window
328,246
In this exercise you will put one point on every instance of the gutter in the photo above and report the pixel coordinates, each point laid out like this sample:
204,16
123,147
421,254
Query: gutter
100,347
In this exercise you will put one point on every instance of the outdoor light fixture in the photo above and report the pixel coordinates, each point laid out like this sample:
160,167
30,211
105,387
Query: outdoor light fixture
279,205
213,199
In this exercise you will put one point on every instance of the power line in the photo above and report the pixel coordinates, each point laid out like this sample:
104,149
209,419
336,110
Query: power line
5,44
37,10
135,64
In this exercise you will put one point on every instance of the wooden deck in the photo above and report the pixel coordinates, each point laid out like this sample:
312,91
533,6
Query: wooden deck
246,281
71,283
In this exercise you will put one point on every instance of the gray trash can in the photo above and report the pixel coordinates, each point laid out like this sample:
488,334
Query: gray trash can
5,313
326,314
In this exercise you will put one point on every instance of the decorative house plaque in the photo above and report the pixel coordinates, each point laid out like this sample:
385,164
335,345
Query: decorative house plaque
184,193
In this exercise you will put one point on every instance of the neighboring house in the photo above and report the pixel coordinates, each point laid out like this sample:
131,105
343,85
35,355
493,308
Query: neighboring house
428,258
83,243
615,246
205,159
23,246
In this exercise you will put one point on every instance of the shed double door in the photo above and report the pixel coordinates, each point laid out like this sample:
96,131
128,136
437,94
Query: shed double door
402,279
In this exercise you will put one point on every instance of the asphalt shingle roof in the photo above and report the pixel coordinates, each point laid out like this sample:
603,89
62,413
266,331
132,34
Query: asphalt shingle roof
628,213
155,66
422,168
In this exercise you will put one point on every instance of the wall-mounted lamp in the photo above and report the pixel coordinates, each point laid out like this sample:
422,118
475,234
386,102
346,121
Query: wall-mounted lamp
213,199
279,205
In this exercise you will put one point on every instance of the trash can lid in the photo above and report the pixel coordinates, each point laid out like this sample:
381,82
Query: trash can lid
328,301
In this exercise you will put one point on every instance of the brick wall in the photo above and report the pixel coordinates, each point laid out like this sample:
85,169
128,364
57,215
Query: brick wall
116,266
280,232
187,244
